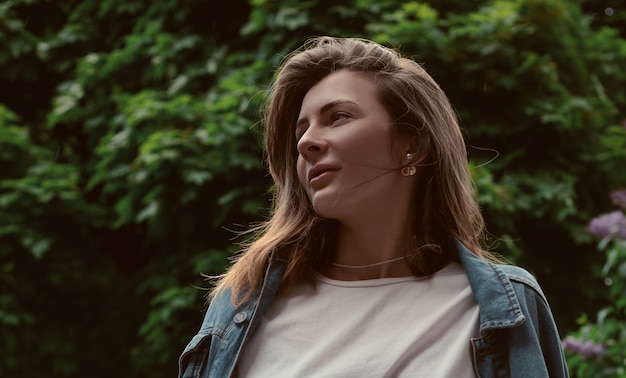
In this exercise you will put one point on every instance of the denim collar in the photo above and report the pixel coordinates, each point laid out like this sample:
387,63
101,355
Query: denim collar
492,288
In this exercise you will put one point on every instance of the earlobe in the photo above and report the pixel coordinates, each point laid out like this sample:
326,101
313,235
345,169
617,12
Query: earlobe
412,158
411,147
408,170
415,153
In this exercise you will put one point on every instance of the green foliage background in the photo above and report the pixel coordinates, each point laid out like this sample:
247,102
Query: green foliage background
129,147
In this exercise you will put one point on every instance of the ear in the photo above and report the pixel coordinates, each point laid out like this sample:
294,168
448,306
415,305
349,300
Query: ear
414,152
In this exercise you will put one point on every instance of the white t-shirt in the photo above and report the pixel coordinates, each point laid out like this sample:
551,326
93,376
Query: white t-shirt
388,327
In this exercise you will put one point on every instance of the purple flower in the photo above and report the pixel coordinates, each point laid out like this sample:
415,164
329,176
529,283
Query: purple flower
587,349
618,198
611,225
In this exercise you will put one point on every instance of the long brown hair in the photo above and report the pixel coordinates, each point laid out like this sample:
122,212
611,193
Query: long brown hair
446,203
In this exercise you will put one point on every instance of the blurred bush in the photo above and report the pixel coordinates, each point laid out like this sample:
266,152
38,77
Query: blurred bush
129,147
598,348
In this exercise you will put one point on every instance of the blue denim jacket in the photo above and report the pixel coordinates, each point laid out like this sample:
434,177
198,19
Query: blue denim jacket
518,335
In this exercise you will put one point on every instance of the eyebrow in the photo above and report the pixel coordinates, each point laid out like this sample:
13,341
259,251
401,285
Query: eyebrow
326,107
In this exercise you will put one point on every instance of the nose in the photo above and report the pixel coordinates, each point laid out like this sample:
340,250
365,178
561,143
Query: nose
312,143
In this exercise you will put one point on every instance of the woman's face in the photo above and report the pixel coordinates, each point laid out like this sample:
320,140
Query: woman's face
347,163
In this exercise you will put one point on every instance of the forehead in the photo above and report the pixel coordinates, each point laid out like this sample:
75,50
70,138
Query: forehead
346,85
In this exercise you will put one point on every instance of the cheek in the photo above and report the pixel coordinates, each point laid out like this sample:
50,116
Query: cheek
372,151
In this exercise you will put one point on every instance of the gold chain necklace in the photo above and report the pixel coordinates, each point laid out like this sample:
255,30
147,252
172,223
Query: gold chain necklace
369,265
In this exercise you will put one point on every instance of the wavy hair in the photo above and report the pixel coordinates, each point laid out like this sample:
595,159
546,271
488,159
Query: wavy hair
445,203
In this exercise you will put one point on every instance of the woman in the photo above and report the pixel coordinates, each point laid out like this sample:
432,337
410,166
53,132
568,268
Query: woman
371,263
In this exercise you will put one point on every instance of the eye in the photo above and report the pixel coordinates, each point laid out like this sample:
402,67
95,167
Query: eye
338,116
299,133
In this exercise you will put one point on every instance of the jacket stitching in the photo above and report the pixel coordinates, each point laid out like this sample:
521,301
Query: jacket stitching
528,284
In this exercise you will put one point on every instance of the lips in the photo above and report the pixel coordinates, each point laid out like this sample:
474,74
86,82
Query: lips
318,170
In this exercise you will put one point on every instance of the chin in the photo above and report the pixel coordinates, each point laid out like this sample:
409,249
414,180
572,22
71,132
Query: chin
329,204
325,210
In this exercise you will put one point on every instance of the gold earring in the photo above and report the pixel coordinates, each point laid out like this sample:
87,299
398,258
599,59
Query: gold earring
408,171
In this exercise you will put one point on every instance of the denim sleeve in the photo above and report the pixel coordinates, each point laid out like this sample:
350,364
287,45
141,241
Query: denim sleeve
536,345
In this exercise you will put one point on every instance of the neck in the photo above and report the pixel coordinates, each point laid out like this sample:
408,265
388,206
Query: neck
376,230
378,251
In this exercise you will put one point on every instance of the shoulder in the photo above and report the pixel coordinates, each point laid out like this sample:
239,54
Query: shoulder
520,275
489,278
222,313
522,280
223,310
220,309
